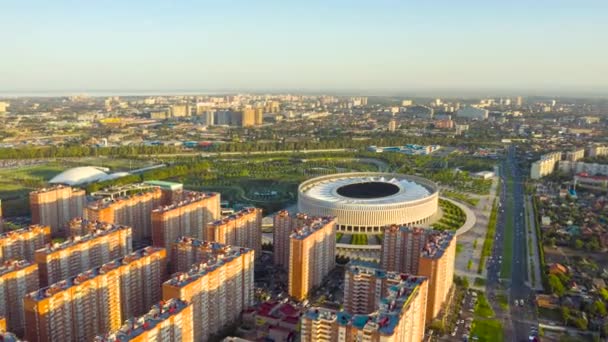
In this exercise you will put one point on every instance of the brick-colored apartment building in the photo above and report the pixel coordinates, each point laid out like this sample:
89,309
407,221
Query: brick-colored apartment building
23,243
60,261
188,217
167,321
312,253
133,209
95,301
219,288
243,228
400,316
284,225
422,252
55,206
17,278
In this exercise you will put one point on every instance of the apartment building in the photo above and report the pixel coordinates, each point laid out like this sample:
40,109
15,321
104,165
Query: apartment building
60,261
545,165
219,288
95,301
55,206
243,228
423,252
23,243
575,155
365,284
437,264
188,217
17,278
399,317
130,205
593,169
597,150
283,225
167,321
312,252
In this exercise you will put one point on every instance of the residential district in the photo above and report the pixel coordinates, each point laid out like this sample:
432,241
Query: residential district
248,217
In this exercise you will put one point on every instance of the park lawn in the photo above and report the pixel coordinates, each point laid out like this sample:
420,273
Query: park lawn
507,252
489,330
483,308
44,172
503,301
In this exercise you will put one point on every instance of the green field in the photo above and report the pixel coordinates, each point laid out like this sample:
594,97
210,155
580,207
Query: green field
507,254
483,308
489,330
359,239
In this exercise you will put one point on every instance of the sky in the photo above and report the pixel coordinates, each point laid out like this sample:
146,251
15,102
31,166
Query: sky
367,47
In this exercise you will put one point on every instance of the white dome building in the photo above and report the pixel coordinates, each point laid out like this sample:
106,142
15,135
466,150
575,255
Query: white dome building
80,175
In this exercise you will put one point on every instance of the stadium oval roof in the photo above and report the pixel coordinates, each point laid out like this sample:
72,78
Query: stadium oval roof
80,175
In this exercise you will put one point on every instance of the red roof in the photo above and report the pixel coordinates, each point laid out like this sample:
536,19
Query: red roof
289,310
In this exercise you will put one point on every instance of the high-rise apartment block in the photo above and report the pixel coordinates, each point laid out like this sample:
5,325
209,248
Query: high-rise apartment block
188,217
312,252
259,116
597,150
60,261
365,284
284,225
219,287
23,243
167,321
17,278
55,206
248,117
170,191
392,125
243,228
399,317
95,301
575,155
545,165
422,252
133,209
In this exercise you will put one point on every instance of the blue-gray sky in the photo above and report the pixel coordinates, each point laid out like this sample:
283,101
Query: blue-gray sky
351,45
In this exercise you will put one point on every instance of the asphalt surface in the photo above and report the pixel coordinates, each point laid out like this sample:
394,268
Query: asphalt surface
523,317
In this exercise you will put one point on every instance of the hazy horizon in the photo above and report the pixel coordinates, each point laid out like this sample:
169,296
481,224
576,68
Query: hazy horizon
549,48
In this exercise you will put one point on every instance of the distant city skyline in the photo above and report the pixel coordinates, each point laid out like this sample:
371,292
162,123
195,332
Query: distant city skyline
410,48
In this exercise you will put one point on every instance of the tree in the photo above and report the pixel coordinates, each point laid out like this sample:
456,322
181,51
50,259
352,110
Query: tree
600,308
581,323
565,314
556,285
604,293
578,244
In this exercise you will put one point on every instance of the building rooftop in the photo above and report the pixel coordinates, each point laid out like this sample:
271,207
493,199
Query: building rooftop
189,197
217,255
136,326
386,318
166,185
91,274
102,229
50,188
235,216
436,243
310,226
13,265
18,232
80,175
123,191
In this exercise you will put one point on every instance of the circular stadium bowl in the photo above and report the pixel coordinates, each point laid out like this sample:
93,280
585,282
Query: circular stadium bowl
365,202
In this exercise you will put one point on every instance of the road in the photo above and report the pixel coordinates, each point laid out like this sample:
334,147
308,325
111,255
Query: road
519,320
